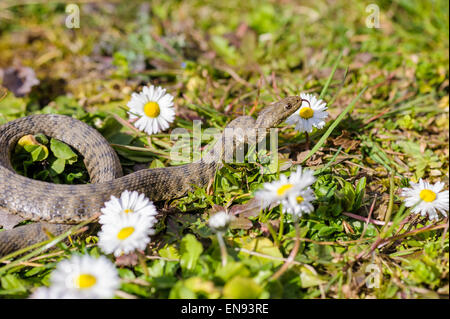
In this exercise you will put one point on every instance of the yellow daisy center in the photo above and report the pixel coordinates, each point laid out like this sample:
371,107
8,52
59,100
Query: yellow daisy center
125,233
151,109
427,195
84,281
283,189
127,211
306,112
300,199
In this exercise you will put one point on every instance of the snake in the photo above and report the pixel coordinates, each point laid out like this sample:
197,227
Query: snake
56,207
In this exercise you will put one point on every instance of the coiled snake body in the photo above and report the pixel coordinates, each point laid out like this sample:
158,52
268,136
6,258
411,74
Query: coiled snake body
57,206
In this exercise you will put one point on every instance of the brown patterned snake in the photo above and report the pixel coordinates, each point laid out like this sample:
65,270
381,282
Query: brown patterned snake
57,206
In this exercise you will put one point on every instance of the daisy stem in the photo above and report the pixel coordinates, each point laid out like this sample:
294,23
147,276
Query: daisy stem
143,264
307,141
281,229
223,248
273,233
292,255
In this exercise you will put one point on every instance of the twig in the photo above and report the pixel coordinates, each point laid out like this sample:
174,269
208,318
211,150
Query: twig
368,217
380,242
365,219
125,123
406,220
124,295
255,253
233,74
161,258
291,255
137,281
415,231
373,118
49,255
24,263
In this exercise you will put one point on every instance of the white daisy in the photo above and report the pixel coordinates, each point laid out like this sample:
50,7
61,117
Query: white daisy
277,191
299,203
425,198
52,293
128,203
125,233
152,109
312,113
220,221
302,178
85,277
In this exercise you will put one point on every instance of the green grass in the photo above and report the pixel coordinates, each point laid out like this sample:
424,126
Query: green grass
387,93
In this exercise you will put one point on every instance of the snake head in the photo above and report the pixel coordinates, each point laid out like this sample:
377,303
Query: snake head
275,113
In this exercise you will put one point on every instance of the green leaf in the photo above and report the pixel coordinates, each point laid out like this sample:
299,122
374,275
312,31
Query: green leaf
420,161
179,291
190,251
309,278
72,176
169,252
264,246
126,273
326,231
349,196
135,289
41,138
156,163
232,269
62,150
201,286
42,175
38,152
242,288
58,165
264,19
12,282
12,106
224,49
360,191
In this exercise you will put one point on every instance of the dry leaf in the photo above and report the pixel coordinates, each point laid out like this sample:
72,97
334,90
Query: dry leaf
251,208
127,260
241,223
346,141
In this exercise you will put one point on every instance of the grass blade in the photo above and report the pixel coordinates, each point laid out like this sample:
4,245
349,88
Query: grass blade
333,126
327,84
43,246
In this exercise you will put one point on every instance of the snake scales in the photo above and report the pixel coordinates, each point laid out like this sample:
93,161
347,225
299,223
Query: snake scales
56,206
